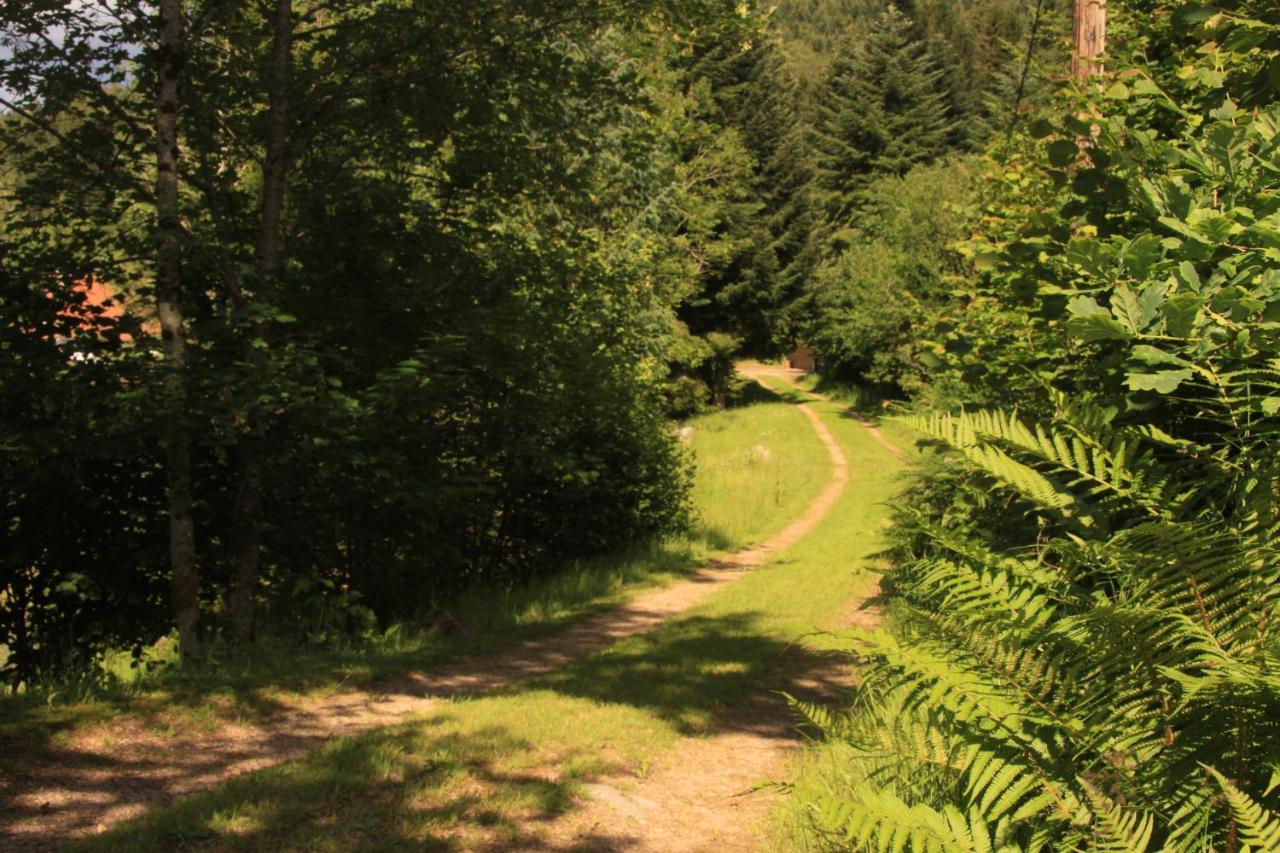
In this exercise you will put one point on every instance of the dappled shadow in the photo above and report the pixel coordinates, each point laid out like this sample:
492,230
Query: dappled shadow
793,395
128,774
250,689
869,404
695,672
858,404
235,683
130,768
702,675
852,414
711,537
405,788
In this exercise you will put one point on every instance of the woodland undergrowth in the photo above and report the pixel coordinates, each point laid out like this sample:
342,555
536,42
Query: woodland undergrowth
1079,649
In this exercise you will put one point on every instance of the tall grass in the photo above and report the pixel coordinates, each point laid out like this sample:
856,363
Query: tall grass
757,469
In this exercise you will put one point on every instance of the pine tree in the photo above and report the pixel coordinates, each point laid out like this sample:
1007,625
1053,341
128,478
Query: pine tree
795,225
810,30
758,99
883,110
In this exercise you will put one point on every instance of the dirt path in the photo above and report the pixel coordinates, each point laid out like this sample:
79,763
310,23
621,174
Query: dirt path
787,374
107,774
711,793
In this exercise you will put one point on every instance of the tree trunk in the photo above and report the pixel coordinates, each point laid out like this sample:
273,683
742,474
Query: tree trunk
185,578
247,514
245,539
1090,38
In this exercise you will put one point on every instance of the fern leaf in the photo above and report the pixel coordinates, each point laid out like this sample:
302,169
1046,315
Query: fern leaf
1258,827
1116,829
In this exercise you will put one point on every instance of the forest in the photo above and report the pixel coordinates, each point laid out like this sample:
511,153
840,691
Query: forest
343,343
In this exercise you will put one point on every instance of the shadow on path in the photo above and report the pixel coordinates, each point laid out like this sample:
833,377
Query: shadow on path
418,786
81,788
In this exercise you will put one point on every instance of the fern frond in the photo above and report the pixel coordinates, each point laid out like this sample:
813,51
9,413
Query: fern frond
965,433
820,717
1116,829
1200,573
1258,827
1095,463
879,820
989,596
1003,789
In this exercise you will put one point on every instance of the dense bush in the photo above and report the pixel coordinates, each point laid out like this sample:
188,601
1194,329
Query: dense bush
900,272
1080,652
436,365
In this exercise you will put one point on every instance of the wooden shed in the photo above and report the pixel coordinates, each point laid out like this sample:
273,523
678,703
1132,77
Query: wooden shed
802,358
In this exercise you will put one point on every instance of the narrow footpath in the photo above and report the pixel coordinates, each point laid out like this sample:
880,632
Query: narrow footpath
689,801
714,793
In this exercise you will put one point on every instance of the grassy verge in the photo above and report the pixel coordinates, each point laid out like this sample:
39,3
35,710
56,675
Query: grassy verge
740,496
491,771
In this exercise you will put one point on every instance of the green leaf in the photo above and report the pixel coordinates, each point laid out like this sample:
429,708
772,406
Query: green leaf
1145,86
1190,277
1182,228
1089,321
1090,255
1195,14
1180,312
1142,254
1136,312
1096,327
1040,129
1163,382
1214,226
1151,301
1117,92
1152,356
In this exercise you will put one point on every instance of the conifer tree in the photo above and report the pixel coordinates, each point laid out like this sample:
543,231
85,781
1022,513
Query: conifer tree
883,110
758,99
795,225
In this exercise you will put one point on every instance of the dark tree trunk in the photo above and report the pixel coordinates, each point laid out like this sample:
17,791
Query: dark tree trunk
247,516
185,578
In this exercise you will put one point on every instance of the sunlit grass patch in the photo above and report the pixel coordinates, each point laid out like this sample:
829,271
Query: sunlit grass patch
758,468
492,771
740,497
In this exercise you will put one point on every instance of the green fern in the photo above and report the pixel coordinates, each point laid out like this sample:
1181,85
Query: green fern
1116,829
1023,684
1257,827
878,820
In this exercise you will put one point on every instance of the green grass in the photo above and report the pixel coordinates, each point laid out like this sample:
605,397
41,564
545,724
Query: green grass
865,402
758,467
739,499
490,771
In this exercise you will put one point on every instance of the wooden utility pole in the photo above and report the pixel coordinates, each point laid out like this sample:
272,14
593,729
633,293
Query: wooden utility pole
1090,38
